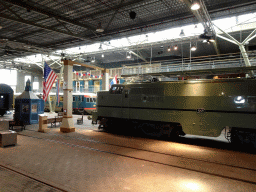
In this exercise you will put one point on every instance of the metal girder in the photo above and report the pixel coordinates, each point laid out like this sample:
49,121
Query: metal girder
203,17
138,56
114,7
40,26
120,4
50,13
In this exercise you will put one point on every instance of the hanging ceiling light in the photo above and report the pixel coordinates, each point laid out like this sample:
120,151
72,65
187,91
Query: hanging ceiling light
195,5
182,33
102,55
193,48
128,55
169,49
99,28
175,47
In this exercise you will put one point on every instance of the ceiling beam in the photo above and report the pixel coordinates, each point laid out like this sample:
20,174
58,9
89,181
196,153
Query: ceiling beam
49,12
203,17
120,4
43,27
83,64
93,15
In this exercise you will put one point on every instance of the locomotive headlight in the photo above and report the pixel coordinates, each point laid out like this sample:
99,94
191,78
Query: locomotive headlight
239,100
94,105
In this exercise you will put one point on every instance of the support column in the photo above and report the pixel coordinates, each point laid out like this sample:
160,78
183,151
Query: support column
105,80
67,121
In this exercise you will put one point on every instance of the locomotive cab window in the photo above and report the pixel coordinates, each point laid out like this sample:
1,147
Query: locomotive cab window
74,98
116,89
87,100
82,98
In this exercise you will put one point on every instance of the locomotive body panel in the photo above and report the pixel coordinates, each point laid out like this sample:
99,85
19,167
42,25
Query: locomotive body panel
202,107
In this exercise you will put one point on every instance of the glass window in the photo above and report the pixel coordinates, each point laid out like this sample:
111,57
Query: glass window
94,99
87,100
116,90
82,98
35,85
74,98
91,100
8,77
34,108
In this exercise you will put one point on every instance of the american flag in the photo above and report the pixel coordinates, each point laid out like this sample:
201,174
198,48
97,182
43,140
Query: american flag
114,81
49,79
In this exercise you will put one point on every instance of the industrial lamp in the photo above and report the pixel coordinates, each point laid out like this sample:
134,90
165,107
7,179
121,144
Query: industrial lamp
175,47
195,5
129,55
99,28
193,48
182,33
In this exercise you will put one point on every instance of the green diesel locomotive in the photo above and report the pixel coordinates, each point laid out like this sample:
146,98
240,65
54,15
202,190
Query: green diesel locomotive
196,107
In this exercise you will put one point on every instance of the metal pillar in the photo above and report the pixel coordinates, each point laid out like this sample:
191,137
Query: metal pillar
67,121
105,81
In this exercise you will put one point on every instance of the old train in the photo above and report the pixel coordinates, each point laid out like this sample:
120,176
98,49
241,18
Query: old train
196,107
83,103
6,98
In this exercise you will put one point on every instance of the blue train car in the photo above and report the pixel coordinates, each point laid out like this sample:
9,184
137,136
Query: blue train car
82,103
6,98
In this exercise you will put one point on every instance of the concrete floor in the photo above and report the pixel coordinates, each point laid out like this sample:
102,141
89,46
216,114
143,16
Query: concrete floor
88,160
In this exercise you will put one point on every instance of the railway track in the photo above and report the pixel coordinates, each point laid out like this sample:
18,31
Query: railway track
22,179
209,167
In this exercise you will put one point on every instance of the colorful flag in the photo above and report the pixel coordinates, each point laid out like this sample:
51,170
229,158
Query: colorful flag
49,79
58,91
114,81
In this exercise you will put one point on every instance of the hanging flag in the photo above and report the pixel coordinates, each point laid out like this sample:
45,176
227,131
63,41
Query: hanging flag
58,91
114,81
49,79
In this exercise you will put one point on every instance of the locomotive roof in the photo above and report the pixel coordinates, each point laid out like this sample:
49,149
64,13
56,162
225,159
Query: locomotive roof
5,88
190,81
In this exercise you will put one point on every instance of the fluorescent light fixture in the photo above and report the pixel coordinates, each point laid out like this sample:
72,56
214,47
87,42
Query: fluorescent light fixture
102,55
212,40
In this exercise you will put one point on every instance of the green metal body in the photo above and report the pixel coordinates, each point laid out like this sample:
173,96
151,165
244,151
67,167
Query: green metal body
202,107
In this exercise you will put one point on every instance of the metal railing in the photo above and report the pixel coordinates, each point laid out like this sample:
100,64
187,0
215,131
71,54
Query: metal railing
190,64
